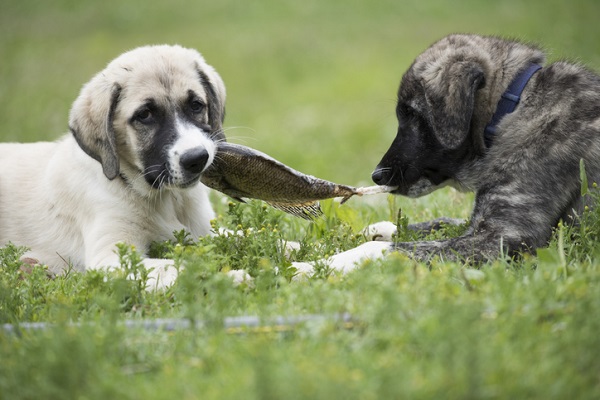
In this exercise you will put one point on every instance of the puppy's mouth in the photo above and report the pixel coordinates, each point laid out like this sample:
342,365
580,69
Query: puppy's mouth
411,182
164,178
189,182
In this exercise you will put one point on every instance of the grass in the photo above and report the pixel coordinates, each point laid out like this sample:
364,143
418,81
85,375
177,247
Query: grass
526,329
312,83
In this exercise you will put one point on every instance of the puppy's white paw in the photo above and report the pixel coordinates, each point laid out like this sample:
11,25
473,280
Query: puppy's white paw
290,247
239,276
346,261
380,231
162,275
349,260
303,270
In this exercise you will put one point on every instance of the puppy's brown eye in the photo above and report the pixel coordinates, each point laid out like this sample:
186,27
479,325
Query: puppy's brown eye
144,116
196,106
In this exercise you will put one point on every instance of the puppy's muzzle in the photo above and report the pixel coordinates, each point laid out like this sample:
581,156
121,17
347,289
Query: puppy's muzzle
193,161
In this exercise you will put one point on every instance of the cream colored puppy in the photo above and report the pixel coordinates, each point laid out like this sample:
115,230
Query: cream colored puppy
142,132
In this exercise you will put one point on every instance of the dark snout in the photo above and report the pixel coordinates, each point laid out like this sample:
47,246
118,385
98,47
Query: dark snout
401,165
396,175
193,161
384,173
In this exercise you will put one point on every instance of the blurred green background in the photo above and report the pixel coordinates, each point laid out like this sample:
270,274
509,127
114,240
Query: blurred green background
311,82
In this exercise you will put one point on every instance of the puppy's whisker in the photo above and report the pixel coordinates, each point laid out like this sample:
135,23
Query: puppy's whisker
229,128
157,182
391,179
241,139
218,157
143,174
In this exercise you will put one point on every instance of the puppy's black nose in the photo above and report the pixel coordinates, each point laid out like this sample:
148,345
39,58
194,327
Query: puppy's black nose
193,161
380,176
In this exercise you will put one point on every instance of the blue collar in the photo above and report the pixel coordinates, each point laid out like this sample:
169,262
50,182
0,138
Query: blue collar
509,100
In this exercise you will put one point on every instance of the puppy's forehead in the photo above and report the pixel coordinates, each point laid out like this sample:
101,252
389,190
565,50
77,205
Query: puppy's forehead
163,73
166,81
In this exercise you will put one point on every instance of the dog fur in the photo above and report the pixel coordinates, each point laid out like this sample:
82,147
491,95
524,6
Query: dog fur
142,131
525,182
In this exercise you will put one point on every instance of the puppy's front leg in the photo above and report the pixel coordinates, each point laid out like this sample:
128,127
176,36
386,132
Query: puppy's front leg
461,248
381,234
348,260
482,242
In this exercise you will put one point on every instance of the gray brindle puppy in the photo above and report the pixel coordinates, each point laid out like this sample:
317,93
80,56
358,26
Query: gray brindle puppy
483,114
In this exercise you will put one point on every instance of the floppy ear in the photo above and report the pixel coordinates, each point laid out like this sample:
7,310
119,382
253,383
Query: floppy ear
451,105
91,123
215,92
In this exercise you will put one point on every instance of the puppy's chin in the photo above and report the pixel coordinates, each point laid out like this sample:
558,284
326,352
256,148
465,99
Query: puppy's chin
168,181
184,184
420,188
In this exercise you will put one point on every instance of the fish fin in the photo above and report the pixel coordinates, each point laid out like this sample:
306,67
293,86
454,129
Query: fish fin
346,198
309,210
239,199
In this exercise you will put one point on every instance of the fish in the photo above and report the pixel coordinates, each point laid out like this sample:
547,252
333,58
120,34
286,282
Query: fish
244,173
